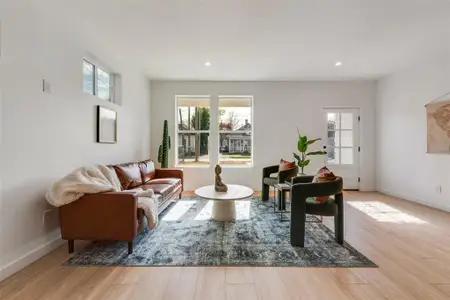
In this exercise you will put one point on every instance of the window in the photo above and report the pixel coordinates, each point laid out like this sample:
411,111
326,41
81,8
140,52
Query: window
97,81
88,78
192,136
235,130
103,85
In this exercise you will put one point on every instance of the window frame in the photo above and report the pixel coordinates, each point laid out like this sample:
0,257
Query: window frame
228,131
178,131
106,70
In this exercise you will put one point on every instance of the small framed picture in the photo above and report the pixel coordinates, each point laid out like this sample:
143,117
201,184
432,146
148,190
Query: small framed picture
106,125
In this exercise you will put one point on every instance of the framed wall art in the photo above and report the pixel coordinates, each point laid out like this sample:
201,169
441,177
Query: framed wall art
106,125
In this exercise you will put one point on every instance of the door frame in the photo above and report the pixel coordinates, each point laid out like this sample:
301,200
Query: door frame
358,147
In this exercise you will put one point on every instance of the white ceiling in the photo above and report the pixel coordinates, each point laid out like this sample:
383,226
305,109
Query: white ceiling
268,39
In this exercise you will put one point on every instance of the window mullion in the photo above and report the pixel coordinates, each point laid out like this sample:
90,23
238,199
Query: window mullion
95,81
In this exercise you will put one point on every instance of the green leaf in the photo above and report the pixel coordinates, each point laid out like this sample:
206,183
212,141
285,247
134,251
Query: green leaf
306,162
302,146
297,157
315,153
313,141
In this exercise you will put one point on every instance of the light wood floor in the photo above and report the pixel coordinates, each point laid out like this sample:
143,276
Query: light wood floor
409,242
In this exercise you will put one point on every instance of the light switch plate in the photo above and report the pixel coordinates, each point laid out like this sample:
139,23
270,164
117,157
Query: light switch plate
46,86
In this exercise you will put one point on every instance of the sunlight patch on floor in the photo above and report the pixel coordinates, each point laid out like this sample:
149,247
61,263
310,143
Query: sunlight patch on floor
385,213
205,213
242,211
178,210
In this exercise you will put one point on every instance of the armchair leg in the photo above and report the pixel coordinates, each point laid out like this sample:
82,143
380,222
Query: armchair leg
265,192
339,219
298,220
130,247
298,231
71,244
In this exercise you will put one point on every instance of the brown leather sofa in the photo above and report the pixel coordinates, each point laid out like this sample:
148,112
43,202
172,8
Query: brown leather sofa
114,215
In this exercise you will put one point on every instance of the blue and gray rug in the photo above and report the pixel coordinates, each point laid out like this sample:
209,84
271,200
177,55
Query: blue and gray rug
186,236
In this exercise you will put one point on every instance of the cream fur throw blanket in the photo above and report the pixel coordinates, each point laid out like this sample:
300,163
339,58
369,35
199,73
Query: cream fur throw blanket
94,180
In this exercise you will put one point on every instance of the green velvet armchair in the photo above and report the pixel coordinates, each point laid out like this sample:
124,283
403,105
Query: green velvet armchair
301,204
268,181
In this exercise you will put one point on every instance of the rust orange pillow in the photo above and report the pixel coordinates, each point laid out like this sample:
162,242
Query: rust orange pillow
285,165
324,174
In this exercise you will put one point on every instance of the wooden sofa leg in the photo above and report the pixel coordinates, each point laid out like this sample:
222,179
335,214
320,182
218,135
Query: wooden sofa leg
130,247
71,244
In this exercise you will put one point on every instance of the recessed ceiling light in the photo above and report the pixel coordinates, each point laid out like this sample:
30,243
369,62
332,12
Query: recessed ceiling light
208,63
338,64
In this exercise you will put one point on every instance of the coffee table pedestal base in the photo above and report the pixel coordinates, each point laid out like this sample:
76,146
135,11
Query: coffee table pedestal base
224,211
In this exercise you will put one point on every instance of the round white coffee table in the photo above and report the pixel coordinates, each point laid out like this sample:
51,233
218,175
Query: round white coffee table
224,208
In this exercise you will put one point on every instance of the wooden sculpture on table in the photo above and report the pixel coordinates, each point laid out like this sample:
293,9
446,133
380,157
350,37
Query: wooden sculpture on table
219,185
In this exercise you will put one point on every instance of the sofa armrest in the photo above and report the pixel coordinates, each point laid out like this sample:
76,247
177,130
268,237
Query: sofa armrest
169,173
104,216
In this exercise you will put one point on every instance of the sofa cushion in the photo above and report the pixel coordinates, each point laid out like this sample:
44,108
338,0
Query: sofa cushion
175,181
163,186
129,175
147,168
162,189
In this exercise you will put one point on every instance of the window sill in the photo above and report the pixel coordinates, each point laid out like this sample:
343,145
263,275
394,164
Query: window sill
192,166
236,166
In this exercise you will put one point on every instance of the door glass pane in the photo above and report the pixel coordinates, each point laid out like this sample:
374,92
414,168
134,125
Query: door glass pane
346,120
333,155
333,139
333,121
346,138
346,156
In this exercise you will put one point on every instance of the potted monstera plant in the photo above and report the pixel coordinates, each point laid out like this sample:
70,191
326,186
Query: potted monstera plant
303,159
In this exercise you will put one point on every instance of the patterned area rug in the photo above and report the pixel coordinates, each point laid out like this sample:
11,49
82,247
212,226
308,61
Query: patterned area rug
186,236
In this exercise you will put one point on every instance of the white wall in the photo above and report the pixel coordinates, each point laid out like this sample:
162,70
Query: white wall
279,107
404,169
46,136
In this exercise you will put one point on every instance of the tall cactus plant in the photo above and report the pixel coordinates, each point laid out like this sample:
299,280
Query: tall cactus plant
163,152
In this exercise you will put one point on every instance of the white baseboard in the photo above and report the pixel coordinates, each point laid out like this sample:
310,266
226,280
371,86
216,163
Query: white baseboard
415,200
29,258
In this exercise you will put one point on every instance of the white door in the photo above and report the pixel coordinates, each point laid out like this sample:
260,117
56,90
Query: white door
342,141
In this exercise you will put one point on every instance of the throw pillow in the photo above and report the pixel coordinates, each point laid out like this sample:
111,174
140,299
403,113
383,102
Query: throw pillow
285,165
324,174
